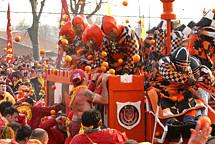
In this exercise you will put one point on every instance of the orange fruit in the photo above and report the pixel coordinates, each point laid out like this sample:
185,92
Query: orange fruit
213,10
112,71
126,21
157,134
38,65
105,64
87,68
173,98
152,42
120,61
104,54
125,3
46,67
103,68
89,57
204,121
42,52
18,38
136,58
64,42
53,112
68,59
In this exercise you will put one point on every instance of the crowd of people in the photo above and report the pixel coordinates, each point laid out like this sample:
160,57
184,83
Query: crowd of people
181,82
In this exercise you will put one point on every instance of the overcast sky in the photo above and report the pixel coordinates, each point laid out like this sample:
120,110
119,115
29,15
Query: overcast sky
185,10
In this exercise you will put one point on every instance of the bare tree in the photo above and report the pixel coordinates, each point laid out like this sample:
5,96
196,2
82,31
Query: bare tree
78,7
34,29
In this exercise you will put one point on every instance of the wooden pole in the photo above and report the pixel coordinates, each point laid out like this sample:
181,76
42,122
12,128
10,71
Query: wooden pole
168,15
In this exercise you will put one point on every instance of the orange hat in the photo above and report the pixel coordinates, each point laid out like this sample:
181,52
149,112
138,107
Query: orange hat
80,19
67,30
110,23
93,33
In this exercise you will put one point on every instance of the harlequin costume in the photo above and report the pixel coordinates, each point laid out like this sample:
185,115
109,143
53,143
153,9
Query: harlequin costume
172,89
77,45
125,47
204,77
202,40
94,36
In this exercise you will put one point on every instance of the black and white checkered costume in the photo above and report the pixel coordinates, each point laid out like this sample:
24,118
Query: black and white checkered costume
168,71
125,48
176,40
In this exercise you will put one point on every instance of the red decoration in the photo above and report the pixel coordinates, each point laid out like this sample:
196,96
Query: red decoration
10,54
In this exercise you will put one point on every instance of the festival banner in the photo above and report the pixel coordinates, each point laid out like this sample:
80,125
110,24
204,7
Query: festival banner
65,17
10,50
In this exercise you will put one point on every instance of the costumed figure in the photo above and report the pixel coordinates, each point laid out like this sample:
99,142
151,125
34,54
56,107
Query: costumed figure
172,88
82,99
201,42
93,38
120,43
205,78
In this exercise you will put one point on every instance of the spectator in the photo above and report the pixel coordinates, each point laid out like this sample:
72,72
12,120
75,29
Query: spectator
11,114
56,129
23,134
91,121
6,133
38,136
15,126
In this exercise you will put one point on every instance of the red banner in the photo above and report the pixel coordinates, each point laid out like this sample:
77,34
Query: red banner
65,17
10,50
